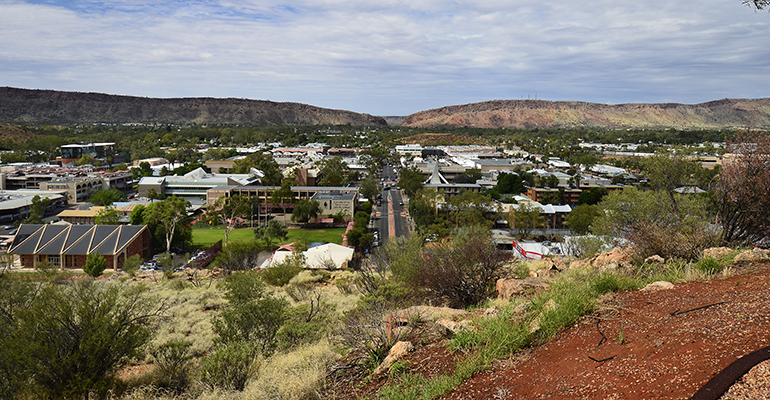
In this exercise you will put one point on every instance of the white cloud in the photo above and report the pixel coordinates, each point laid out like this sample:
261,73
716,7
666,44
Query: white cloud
389,57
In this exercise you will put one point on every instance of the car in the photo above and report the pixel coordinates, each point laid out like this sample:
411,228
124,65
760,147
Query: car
8,227
400,202
379,203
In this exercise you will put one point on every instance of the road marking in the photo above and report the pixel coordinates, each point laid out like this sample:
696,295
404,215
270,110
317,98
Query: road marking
391,219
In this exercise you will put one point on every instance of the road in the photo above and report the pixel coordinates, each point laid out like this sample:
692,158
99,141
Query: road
391,216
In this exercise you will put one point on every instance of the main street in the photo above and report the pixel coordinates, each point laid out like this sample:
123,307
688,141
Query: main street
391,214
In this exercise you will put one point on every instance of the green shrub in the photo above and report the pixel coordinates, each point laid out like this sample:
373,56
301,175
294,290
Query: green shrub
172,365
252,315
230,366
709,265
283,272
132,264
113,322
95,265
520,269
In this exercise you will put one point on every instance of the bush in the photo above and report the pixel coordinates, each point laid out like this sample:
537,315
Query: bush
132,264
252,315
281,273
172,365
298,374
95,265
84,333
230,366
709,265
463,272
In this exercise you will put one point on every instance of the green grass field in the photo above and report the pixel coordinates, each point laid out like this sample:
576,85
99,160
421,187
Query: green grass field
205,237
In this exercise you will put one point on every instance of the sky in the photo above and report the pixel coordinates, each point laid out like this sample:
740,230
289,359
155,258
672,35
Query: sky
390,57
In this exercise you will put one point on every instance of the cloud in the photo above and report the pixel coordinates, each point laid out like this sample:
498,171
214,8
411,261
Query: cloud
388,57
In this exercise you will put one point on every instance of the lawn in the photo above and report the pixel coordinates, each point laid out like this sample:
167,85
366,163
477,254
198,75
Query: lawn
205,237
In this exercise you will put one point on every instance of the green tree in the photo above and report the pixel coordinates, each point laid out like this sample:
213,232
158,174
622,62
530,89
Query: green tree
84,160
284,196
510,183
132,264
305,210
108,216
37,210
137,215
263,162
168,217
228,211
526,218
579,220
470,176
334,171
410,180
645,220
95,265
369,189
273,230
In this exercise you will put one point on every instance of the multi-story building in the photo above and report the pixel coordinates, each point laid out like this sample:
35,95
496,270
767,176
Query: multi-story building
73,152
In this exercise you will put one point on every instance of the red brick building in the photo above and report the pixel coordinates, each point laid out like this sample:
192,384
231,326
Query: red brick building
68,246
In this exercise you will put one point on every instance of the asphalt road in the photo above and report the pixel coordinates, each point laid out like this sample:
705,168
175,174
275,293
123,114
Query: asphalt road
391,219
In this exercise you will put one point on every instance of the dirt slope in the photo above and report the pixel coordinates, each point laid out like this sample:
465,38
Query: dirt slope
670,348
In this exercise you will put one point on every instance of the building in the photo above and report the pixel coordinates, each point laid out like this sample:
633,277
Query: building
194,184
72,152
265,193
440,183
335,202
15,205
68,246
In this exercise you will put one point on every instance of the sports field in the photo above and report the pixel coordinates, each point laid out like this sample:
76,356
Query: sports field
205,237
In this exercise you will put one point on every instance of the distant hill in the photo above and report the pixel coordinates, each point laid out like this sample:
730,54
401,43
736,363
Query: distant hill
727,113
20,106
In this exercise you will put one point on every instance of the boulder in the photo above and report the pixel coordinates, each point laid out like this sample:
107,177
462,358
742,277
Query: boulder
397,352
450,328
507,288
717,252
753,255
659,285
612,260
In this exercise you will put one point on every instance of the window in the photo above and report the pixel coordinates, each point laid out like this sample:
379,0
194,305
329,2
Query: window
55,261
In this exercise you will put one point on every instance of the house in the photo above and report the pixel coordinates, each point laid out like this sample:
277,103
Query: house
68,246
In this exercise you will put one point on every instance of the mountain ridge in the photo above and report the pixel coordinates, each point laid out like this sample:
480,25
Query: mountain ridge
59,107
38,106
724,113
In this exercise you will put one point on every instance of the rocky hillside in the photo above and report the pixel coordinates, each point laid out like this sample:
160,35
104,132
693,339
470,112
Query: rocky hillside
727,113
20,106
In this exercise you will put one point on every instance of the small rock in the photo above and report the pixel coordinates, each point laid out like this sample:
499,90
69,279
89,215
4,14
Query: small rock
398,351
450,328
752,255
491,311
659,285
656,259
717,252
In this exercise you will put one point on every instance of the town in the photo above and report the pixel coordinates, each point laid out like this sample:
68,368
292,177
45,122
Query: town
358,240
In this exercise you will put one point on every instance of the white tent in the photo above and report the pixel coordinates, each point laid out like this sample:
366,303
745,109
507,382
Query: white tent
327,256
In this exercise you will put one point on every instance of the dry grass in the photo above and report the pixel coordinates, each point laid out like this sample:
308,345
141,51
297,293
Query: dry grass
188,316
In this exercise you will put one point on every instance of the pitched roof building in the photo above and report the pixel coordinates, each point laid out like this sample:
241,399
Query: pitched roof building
68,246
